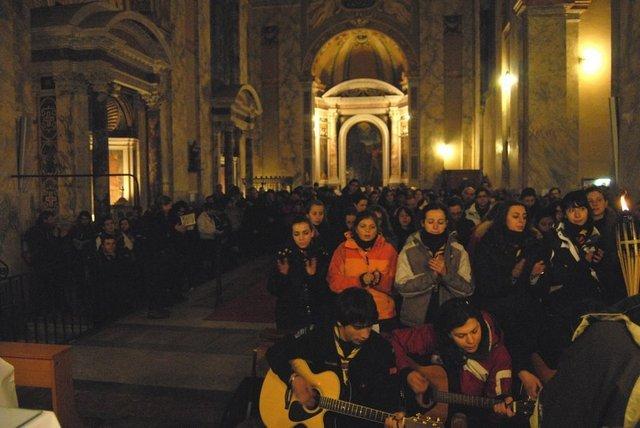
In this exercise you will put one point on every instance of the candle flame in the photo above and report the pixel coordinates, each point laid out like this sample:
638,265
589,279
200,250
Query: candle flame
623,204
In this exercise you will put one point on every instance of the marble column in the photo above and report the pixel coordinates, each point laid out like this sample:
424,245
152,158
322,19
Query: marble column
229,148
332,147
249,161
426,97
100,152
242,161
166,135
143,194
550,134
73,154
394,149
153,144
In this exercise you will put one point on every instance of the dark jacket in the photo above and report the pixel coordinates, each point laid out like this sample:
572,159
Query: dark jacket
372,381
303,299
575,286
514,302
598,379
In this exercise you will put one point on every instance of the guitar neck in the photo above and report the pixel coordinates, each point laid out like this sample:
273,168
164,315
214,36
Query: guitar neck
355,410
465,400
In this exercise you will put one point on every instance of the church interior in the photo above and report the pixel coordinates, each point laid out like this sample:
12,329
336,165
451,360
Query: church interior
111,105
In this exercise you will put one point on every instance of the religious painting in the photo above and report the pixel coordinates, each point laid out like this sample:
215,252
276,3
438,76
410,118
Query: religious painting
364,154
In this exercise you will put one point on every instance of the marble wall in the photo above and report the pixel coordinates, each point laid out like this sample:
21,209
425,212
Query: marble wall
423,28
627,90
18,200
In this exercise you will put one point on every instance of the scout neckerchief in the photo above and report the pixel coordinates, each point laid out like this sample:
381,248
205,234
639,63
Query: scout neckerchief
344,360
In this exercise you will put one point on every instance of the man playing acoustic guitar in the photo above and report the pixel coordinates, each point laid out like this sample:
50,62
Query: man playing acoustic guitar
465,342
362,360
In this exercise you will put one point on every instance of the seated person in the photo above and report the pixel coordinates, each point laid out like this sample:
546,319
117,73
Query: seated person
362,359
467,344
598,378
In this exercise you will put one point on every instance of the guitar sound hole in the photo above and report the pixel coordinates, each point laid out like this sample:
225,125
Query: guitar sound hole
316,401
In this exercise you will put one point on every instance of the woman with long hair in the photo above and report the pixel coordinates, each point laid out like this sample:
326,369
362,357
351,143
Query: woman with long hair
509,271
368,261
432,268
404,225
298,279
465,342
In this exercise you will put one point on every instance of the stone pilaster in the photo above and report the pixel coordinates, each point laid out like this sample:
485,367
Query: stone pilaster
249,161
100,152
550,133
73,155
229,149
332,147
154,143
395,147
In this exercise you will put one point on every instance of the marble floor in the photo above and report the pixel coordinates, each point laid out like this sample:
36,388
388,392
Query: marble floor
176,372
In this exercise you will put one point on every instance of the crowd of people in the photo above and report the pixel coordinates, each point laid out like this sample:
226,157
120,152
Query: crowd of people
489,285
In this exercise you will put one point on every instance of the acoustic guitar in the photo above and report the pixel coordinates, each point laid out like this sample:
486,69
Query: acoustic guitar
280,409
438,393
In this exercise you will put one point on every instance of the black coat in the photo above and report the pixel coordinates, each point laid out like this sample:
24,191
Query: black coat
575,287
514,302
303,299
372,379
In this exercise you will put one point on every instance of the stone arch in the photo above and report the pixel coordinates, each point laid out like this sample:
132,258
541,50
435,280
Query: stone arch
342,144
96,16
374,84
326,33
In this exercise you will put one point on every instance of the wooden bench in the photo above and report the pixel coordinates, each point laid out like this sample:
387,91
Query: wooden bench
45,366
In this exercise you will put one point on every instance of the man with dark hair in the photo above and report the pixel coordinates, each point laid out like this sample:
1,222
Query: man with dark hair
458,222
479,209
362,359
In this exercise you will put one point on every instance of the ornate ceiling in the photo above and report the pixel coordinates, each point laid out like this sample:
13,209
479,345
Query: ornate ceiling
360,53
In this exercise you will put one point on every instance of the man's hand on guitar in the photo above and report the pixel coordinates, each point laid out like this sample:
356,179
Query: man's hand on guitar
504,408
395,421
303,391
531,383
417,382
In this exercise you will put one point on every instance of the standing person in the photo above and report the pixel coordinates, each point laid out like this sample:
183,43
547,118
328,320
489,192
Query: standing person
509,271
161,264
298,280
321,229
127,237
362,360
404,225
478,210
83,234
468,345
458,222
605,219
432,268
366,260
577,251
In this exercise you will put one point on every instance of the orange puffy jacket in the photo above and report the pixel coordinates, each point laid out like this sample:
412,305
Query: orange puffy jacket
349,262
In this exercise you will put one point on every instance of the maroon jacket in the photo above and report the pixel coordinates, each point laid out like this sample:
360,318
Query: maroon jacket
488,377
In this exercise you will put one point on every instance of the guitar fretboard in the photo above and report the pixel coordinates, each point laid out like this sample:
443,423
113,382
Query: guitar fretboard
355,410
465,400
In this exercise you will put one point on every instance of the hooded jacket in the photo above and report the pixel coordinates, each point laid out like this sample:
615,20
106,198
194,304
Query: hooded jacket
416,282
486,373
350,262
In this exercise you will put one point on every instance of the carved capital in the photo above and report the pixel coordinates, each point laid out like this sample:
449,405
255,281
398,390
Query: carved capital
153,100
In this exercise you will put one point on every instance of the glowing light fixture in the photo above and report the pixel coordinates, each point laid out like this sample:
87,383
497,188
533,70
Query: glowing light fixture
602,182
507,80
591,60
444,150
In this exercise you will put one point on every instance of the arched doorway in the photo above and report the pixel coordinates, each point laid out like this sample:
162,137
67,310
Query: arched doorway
360,109
364,154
